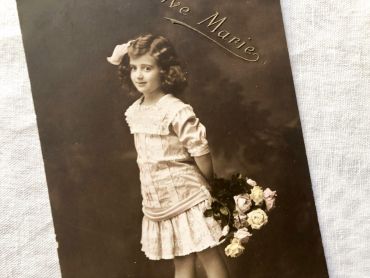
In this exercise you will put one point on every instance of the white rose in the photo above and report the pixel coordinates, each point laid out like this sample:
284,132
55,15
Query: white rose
234,249
243,234
257,195
242,202
251,182
257,218
269,197
240,220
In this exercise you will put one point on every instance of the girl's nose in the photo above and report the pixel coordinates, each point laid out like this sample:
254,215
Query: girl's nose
139,74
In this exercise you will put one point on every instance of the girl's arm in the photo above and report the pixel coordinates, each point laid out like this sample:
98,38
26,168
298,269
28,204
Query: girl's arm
205,165
192,134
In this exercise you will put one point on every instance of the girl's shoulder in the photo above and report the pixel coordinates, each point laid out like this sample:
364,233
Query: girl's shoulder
134,105
171,104
155,119
168,104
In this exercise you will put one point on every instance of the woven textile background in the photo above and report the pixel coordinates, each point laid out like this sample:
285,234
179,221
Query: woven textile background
27,239
329,45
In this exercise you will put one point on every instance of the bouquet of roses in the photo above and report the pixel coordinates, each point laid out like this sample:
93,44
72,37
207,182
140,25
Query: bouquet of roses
239,204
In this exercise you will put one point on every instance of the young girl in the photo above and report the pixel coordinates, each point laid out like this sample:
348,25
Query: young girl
173,157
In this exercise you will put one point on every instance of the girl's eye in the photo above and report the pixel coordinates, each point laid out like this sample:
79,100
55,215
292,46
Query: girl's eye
148,68
132,68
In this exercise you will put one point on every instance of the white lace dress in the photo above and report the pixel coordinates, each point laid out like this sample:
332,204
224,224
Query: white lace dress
167,136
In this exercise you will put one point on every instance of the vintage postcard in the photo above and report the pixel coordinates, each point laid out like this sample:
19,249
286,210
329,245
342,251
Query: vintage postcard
171,139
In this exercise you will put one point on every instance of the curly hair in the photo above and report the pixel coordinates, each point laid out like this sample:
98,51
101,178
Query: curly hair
172,73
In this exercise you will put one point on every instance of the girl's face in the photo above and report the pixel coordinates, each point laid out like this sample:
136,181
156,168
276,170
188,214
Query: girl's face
145,74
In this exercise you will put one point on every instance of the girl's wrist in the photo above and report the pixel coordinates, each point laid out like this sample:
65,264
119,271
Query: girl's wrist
210,181
210,178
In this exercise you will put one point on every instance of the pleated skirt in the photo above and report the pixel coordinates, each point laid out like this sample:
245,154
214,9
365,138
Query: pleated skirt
181,235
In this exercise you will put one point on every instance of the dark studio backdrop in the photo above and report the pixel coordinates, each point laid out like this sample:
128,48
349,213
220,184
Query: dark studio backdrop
249,109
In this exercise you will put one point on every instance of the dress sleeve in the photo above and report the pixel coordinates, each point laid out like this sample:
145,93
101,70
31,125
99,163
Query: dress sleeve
191,133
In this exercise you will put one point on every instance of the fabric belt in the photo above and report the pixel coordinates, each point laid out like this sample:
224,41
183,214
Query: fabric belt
160,214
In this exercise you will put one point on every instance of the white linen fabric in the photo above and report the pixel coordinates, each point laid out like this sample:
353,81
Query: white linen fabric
329,48
28,247
329,45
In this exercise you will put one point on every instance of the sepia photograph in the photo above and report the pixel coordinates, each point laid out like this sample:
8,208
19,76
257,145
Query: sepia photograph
171,139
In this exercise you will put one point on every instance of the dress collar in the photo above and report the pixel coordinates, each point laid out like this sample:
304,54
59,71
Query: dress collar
141,100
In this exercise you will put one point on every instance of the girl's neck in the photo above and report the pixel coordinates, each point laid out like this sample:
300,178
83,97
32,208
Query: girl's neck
153,98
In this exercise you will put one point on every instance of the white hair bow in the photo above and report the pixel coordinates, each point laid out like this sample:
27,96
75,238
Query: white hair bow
118,53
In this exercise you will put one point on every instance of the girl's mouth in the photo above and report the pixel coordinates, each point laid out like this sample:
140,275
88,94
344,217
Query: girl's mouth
140,83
